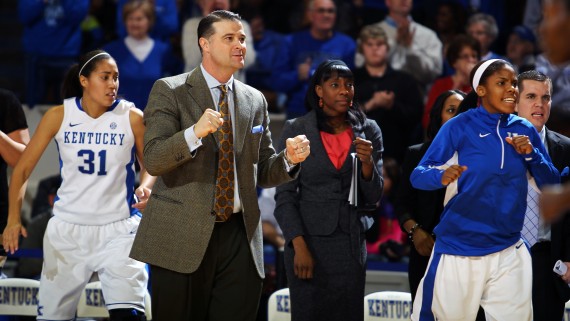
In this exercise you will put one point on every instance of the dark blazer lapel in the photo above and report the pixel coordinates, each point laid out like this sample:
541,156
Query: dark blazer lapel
318,150
243,111
553,145
199,91
553,148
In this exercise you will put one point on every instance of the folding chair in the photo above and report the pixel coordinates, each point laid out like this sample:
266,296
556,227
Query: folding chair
387,306
279,306
92,304
19,296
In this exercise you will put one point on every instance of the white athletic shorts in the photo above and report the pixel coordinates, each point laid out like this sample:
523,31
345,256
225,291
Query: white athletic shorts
72,253
454,286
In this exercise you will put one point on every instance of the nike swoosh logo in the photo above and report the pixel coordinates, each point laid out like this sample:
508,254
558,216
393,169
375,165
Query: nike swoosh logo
518,246
484,135
73,125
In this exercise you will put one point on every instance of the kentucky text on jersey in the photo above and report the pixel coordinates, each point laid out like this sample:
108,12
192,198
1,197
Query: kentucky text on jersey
93,138
17,295
393,309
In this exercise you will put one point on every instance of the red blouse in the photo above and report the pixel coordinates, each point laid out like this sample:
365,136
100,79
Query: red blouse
337,146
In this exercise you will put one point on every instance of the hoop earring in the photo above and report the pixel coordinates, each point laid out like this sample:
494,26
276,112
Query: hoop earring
321,102
350,103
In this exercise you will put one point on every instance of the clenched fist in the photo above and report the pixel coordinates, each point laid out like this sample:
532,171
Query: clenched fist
298,149
209,123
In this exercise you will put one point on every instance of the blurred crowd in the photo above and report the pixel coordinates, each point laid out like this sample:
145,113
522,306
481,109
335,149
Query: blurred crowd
412,63
404,54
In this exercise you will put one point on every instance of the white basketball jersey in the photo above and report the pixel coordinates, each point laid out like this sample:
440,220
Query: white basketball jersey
96,158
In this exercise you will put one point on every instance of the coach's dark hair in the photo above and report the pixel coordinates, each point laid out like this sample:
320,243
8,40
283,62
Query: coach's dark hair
491,69
206,25
87,63
326,70
533,75
435,114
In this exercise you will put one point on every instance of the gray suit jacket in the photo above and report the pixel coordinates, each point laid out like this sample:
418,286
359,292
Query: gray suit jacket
178,221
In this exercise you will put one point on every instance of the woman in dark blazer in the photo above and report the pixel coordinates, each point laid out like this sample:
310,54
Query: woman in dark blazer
418,210
325,253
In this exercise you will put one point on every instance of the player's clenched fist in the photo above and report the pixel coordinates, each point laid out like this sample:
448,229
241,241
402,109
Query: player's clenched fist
208,123
452,173
521,143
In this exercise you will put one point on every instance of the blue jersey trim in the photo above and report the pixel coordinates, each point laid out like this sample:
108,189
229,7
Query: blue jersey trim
78,103
427,289
130,183
60,167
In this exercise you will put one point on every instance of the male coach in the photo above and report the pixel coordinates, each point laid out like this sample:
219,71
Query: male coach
207,140
549,242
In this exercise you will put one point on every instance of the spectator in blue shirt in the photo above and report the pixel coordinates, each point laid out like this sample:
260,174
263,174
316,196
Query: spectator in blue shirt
304,50
166,22
51,41
141,59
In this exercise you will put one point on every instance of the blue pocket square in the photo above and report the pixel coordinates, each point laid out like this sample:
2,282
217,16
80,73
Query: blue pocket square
257,129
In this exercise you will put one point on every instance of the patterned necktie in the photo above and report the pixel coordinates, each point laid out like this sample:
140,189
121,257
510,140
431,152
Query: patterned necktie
224,206
530,226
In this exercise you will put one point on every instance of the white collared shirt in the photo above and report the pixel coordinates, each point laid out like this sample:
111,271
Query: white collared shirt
194,142
543,228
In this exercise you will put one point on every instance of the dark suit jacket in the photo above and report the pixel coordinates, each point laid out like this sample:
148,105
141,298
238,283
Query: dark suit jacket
178,221
313,203
425,207
559,151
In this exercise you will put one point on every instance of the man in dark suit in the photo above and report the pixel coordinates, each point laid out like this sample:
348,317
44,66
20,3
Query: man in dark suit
207,264
549,291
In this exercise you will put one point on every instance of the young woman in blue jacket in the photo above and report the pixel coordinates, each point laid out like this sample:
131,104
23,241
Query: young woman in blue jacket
485,154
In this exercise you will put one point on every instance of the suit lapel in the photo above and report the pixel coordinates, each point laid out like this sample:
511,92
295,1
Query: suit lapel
199,90
552,143
200,93
555,150
243,113
317,148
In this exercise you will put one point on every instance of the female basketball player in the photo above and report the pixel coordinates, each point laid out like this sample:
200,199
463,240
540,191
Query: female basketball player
96,214
479,257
